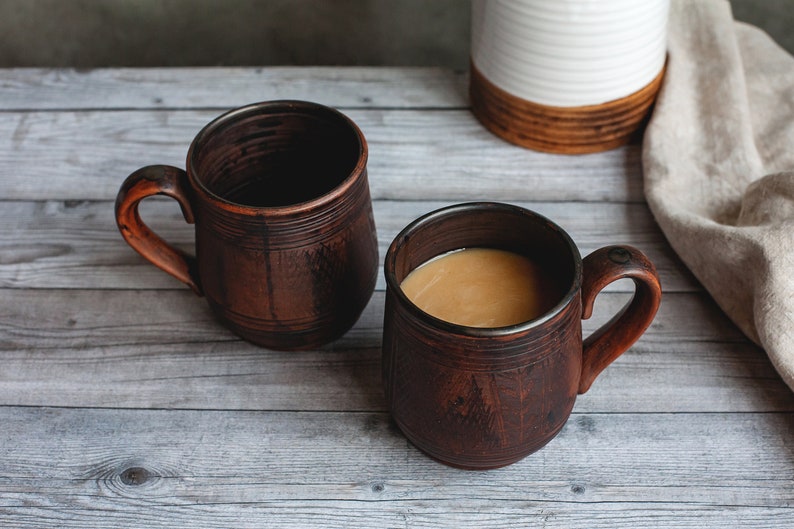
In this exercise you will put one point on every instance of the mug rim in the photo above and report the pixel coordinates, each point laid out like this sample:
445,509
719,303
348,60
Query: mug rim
293,106
466,330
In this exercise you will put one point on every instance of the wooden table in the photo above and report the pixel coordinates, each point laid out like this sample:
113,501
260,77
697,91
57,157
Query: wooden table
124,404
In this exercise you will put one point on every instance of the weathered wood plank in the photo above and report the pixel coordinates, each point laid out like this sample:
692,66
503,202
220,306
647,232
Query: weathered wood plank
670,378
475,512
54,319
239,469
163,349
76,244
414,154
220,88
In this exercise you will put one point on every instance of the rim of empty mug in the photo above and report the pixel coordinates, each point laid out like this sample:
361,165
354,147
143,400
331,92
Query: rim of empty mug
288,106
466,330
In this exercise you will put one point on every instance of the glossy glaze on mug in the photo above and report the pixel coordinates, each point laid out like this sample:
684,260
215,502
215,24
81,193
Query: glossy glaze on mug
286,276
483,398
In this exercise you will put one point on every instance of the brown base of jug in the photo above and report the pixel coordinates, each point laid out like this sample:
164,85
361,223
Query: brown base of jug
563,130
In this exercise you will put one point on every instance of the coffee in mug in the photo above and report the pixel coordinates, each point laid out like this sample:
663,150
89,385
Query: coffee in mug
485,397
482,287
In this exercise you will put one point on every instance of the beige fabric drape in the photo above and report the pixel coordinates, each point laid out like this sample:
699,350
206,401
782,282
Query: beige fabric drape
718,162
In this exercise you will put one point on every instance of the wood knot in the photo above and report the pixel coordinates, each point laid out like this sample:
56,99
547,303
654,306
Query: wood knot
134,476
586,424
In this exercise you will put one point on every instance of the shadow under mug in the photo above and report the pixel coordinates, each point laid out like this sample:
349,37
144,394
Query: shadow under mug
286,249
482,398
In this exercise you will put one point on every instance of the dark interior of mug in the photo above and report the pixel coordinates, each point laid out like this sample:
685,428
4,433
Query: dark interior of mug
489,225
275,154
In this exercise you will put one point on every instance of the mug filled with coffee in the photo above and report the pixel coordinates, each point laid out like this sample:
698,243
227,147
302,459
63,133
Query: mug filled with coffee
286,249
483,355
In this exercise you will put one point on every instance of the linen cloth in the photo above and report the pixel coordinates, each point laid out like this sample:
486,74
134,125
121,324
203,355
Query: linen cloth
718,163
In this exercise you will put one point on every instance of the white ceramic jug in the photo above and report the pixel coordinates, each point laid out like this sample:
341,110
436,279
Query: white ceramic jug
537,62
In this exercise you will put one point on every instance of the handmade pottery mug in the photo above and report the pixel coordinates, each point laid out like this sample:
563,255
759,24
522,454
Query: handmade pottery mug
479,397
286,249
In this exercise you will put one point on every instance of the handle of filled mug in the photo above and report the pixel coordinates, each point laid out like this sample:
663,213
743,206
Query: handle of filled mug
601,268
145,182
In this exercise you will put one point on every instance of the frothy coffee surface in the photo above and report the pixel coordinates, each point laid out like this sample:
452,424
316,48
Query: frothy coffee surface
482,287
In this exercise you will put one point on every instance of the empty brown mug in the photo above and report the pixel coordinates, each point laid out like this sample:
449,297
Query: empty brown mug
286,250
485,397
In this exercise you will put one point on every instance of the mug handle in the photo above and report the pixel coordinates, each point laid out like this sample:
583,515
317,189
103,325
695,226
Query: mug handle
145,182
599,269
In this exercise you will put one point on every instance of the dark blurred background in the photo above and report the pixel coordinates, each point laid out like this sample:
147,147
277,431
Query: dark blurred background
96,33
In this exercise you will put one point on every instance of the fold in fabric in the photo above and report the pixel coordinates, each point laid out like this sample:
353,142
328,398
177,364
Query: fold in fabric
718,163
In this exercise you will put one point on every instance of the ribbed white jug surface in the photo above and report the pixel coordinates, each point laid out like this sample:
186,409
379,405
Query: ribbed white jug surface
569,52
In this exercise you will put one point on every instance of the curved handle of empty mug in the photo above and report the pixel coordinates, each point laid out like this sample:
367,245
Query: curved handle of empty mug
145,182
601,268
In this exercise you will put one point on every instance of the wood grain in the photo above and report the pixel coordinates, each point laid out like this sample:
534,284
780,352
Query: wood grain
221,87
414,155
75,244
687,377
245,469
54,319
163,349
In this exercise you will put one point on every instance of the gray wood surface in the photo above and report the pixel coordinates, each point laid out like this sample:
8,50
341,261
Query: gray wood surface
123,403
414,154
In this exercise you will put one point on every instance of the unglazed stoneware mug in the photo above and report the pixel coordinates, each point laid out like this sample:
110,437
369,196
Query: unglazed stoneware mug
482,398
286,249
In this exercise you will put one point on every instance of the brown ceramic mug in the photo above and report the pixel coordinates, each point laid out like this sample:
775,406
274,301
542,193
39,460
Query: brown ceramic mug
483,398
286,250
